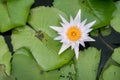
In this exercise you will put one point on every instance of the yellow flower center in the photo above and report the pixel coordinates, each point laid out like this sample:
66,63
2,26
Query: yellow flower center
74,33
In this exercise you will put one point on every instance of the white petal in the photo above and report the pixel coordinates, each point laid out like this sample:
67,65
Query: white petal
73,45
71,20
82,43
90,24
83,23
58,38
63,48
63,25
76,49
64,20
78,17
87,30
58,29
89,39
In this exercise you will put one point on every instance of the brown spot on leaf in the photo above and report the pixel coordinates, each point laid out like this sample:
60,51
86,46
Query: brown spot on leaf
39,35
41,72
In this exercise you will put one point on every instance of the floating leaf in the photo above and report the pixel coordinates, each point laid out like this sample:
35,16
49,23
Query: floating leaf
116,55
98,10
115,22
5,55
24,67
87,64
44,48
40,20
112,67
111,73
13,13
3,75
114,59
68,72
70,7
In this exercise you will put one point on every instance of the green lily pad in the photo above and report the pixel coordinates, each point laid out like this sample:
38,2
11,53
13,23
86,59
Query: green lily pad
3,75
114,59
116,55
43,48
107,65
68,72
116,17
24,67
99,10
111,69
5,55
87,64
67,6
41,18
112,73
13,13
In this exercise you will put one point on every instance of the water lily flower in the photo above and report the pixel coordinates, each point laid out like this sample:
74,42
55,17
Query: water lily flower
73,33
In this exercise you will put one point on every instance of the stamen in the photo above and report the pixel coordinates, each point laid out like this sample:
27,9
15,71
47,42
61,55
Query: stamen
73,33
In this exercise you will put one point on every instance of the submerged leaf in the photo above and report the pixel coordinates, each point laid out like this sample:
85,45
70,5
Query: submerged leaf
94,32
105,31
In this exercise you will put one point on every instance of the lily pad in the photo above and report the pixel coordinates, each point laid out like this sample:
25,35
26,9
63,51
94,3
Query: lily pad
68,72
3,75
98,10
41,18
87,64
43,48
112,73
24,67
70,7
116,17
5,55
13,13
111,69
116,55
